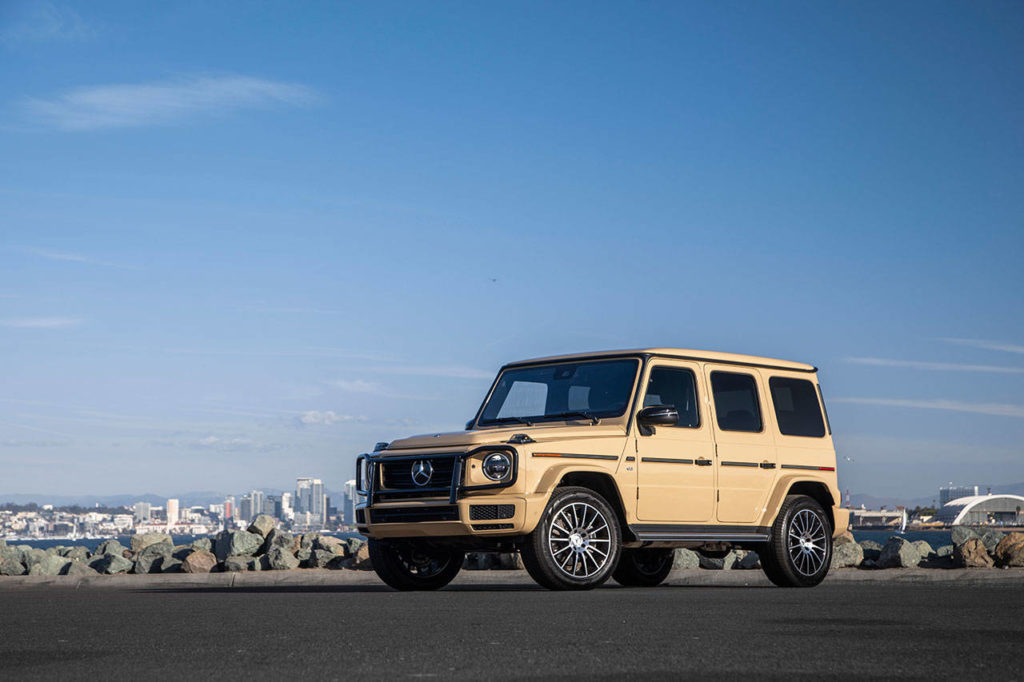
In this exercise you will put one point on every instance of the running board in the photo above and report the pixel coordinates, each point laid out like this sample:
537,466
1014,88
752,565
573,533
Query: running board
682,533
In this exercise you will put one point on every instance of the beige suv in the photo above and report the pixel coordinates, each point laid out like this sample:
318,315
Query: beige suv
597,465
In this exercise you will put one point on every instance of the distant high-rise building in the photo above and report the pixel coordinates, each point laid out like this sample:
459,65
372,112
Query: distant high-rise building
953,492
287,508
245,508
229,509
304,494
143,513
172,512
272,506
319,501
348,512
257,503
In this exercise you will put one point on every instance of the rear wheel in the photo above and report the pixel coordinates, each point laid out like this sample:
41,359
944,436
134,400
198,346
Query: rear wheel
413,566
800,549
643,567
575,546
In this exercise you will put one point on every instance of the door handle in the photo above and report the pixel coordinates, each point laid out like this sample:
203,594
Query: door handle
767,465
703,462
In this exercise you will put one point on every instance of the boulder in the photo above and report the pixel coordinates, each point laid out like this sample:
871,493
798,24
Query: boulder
685,558
12,566
991,539
278,559
52,564
923,548
236,564
748,560
150,559
480,561
944,551
56,550
202,545
182,551
961,534
200,561
262,525
872,550
360,559
319,558
899,553
33,557
141,542
110,547
78,569
282,539
76,554
236,543
331,544
845,538
170,564
1010,550
110,564
847,555
713,563
972,554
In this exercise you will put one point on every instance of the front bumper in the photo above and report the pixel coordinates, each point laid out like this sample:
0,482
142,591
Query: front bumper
424,511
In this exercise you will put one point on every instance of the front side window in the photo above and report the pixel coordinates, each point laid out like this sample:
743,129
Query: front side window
675,387
736,405
796,407
594,389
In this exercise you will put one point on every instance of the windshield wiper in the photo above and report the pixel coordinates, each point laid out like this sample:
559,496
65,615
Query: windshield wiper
510,420
575,413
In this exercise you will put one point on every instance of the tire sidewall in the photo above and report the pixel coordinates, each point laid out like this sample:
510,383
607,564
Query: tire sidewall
542,533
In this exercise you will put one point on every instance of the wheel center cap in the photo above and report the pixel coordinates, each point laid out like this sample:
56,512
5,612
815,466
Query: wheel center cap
575,540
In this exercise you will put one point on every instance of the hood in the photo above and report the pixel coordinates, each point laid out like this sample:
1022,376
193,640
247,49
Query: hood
477,438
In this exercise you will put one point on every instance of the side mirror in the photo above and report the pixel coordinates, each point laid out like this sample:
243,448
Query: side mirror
656,415
469,424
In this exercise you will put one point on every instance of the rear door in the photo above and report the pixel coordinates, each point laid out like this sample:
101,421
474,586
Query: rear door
746,461
675,472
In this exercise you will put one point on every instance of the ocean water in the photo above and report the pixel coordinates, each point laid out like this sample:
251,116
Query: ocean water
126,540
935,538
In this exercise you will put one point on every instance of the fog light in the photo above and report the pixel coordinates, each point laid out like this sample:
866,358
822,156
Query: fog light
497,466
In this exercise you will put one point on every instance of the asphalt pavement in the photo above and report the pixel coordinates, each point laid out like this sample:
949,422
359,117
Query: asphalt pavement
497,625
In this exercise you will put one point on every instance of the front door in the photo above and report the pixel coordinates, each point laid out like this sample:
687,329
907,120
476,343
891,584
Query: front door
676,476
746,459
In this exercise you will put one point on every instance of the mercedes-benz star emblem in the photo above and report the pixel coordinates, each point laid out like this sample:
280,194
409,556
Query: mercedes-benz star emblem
422,470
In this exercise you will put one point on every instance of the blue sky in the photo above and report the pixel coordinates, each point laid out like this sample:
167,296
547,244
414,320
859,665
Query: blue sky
243,246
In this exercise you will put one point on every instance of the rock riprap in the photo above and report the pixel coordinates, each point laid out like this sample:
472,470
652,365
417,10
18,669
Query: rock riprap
200,561
685,558
236,543
1010,550
262,525
899,553
847,555
151,558
972,554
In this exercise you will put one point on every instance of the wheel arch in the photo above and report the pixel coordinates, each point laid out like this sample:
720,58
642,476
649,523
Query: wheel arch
603,484
816,490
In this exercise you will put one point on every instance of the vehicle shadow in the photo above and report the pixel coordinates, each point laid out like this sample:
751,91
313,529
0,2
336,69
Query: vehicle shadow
493,587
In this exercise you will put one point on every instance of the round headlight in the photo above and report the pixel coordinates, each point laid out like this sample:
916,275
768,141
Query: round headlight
497,466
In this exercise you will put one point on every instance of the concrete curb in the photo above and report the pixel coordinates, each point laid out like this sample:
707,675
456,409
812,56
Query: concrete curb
302,578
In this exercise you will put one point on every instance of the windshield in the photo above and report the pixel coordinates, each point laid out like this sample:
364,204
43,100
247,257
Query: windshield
572,390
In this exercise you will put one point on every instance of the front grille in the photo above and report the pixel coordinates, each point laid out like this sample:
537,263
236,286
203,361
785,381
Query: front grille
414,514
491,512
398,475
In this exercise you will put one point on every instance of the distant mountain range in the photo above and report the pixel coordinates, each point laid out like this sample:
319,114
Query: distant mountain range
207,497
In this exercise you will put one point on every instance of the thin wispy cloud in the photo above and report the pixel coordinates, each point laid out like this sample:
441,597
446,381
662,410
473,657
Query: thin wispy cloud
987,345
161,103
327,418
936,366
994,409
38,21
41,322
372,388
449,371
69,257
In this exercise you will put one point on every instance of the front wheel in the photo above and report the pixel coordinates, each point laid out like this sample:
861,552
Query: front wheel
800,549
414,566
643,567
575,546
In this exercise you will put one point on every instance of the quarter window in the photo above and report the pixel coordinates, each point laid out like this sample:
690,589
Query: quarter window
675,387
736,405
796,407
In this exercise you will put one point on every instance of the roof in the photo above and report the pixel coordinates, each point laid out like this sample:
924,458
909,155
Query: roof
687,353
959,508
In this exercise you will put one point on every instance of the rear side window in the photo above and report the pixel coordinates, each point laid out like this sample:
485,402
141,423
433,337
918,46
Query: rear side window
796,407
736,404
675,387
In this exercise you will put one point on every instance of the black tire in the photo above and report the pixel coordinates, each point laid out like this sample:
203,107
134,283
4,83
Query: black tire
590,545
799,551
643,567
406,565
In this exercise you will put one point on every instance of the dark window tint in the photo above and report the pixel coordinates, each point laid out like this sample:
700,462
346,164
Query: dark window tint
736,404
796,407
675,387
